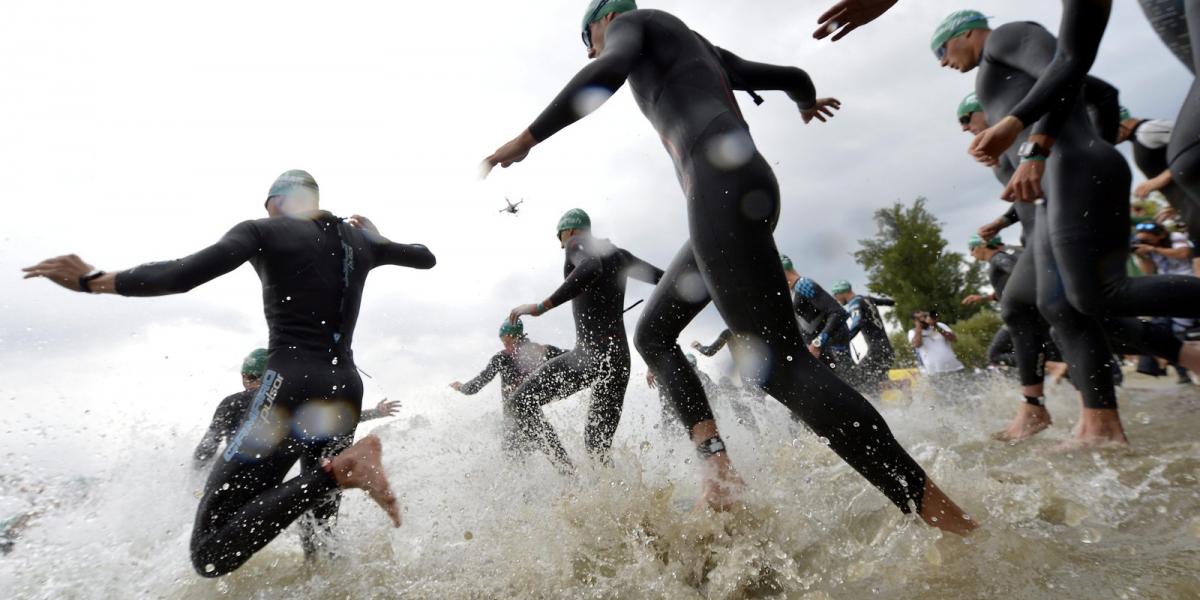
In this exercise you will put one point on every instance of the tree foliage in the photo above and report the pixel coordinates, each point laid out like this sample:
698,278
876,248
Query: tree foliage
907,260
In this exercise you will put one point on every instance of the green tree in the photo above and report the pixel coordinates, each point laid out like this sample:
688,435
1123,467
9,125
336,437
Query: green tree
908,261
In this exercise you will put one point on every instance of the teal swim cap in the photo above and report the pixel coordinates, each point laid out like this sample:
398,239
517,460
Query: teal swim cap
292,179
787,263
255,363
598,9
958,23
970,104
573,219
507,328
840,286
1124,114
975,241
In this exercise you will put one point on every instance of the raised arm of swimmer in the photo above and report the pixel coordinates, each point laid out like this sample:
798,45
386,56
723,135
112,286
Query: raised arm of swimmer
610,69
1051,98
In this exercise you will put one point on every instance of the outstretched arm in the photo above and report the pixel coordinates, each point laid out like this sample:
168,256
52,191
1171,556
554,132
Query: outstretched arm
481,380
387,252
159,278
848,15
622,48
750,76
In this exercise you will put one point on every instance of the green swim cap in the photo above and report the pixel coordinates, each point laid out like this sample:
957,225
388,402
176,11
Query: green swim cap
969,105
291,179
1124,114
598,9
255,363
958,23
787,263
975,241
840,286
573,219
507,328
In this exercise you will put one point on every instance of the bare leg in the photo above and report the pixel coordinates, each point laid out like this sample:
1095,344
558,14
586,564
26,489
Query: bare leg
360,467
720,484
940,511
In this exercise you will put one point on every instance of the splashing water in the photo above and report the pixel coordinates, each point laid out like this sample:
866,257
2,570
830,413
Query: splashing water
1104,523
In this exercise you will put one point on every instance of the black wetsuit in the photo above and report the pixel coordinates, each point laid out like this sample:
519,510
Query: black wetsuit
1080,236
513,370
682,86
822,318
1000,268
865,320
312,272
715,347
596,272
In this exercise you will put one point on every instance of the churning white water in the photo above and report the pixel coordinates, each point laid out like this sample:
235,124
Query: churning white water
1107,523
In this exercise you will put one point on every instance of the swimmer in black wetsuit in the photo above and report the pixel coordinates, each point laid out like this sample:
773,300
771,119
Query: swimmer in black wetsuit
595,274
683,85
313,266
316,526
822,319
514,364
1049,102
871,349
1082,228
1001,261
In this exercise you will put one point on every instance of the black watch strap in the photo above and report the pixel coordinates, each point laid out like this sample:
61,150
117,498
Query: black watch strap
85,281
711,446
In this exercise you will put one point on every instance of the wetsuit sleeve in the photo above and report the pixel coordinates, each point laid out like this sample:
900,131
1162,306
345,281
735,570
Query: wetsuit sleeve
641,270
881,301
181,275
552,352
489,373
622,49
1060,77
1105,99
833,320
1011,217
587,269
386,252
223,423
715,347
750,76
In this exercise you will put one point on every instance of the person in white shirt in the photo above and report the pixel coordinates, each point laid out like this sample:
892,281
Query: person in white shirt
1161,252
932,341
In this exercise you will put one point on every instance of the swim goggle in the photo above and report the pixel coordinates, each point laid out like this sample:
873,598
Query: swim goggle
965,119
940,53
587,29
1149,227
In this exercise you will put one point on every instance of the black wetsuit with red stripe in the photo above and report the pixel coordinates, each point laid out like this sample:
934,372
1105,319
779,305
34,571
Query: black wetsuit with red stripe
312,270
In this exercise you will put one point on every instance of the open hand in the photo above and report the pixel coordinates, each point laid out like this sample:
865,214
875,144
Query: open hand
522,310
387,408
514,151
848,15
821,110
63,270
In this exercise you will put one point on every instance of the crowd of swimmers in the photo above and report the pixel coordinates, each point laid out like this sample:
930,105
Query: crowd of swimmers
1069,184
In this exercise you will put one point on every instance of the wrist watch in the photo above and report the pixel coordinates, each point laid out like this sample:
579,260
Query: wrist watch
85,281
1032,151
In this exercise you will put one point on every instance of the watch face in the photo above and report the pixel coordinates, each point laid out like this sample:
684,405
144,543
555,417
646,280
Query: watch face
1026,149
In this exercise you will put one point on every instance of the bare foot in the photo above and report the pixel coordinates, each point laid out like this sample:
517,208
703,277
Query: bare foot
360,467
939,511
1030,421
721,487
1097,427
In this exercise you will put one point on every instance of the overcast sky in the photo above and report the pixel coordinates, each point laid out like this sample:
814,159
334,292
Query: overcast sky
135,130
